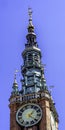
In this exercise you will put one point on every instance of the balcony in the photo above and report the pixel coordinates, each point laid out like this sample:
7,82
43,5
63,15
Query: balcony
29,97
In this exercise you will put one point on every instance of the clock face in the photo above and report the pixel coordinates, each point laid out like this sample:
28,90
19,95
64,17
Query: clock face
29,115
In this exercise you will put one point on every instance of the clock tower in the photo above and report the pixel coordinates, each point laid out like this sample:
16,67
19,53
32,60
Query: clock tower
32,107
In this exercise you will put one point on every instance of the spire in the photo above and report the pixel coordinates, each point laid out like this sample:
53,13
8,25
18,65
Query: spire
30,26
15,85
15,78
31,36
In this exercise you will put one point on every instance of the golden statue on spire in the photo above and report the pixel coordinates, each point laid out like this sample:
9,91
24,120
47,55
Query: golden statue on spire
30,15
30,12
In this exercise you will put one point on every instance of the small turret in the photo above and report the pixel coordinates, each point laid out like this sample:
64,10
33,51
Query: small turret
15,90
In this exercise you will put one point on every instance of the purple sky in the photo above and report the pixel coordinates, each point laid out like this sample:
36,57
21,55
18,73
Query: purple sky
49,22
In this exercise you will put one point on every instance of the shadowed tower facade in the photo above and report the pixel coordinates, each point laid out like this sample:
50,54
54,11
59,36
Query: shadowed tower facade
32,107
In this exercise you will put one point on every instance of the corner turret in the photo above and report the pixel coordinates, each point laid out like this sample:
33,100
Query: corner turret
15,90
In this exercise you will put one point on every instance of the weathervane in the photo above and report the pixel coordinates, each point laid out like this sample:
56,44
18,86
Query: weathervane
51,87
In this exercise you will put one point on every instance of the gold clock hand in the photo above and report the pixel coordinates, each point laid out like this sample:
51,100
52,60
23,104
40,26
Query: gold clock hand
31,116
32,112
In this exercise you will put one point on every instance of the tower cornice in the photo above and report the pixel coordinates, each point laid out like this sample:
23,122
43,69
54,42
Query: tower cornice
31,48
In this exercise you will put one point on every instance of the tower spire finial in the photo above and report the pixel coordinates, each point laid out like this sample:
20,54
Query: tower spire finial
30,15
30,26
15,76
